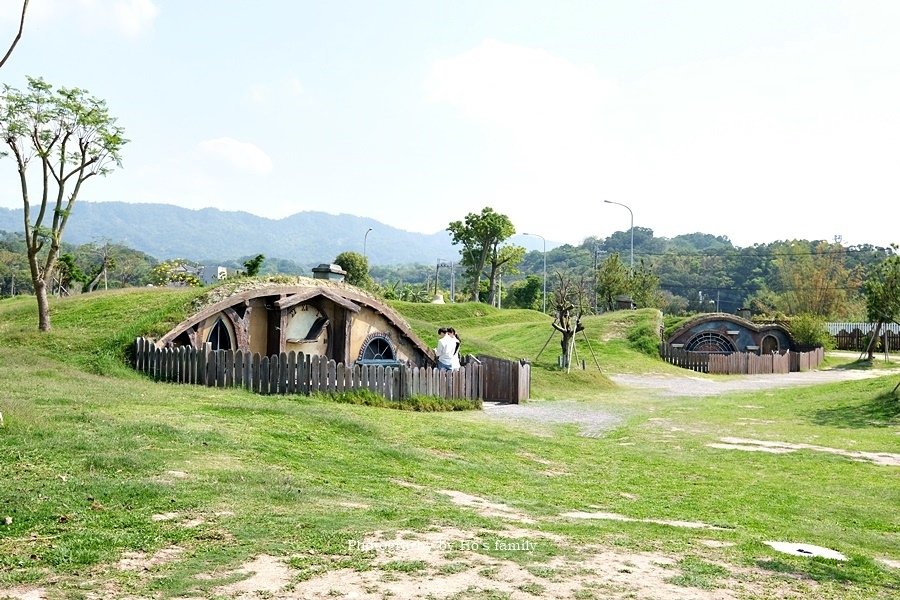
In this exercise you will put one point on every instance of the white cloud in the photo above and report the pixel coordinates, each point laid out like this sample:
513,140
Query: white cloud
518,88
242,156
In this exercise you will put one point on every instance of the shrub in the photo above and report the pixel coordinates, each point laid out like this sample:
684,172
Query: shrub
644,337
809,330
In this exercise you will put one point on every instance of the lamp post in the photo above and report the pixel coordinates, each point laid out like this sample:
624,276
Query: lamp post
366,239
632,229
544,295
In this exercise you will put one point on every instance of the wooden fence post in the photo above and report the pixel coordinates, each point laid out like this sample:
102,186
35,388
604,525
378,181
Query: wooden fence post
256,378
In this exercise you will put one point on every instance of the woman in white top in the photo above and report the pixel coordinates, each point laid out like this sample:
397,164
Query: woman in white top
454,363
445,349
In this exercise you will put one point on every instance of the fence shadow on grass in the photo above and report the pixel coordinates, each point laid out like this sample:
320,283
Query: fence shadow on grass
861,364
855,570
881,411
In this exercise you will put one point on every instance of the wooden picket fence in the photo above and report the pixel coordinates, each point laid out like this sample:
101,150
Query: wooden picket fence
296,373
695,361
856,336
505,380
742,363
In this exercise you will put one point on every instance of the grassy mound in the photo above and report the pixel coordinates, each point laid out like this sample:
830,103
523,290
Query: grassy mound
94,332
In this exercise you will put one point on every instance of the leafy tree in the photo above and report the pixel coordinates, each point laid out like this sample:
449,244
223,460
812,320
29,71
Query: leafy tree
814,278
100,259
643,285
177,272
73,137
357,267
13,265
480,235
69,273
114,264
612,280
253,265
526,293
882,291
809,330
16,39
131,267
504,259
673,304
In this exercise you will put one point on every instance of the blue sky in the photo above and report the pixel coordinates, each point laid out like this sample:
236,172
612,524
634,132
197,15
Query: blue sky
756,120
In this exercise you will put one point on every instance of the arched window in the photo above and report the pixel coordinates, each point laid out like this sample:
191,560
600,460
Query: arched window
710,341
220,336
378,350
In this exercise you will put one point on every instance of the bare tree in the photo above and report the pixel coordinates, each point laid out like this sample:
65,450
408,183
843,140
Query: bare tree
570,304
18,35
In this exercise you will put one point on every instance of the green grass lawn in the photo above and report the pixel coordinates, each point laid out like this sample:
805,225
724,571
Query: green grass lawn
97,462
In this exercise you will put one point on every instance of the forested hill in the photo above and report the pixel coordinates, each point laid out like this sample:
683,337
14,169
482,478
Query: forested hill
703,272
166,231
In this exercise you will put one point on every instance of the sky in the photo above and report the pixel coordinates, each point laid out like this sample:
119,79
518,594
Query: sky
756,120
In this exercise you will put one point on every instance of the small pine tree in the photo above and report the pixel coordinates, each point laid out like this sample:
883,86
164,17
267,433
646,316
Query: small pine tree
252,266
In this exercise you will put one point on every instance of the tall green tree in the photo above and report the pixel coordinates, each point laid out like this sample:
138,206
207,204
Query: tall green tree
504,259
480,235
13,265
813,278
643,285
68,274
72,137
882,291
612,280
253,265
357,267
526,293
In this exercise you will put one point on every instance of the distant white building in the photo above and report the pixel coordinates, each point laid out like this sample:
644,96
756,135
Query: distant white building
212,273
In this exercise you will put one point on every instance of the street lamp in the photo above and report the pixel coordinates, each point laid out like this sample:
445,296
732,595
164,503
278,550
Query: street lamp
366,239
632,230
544,295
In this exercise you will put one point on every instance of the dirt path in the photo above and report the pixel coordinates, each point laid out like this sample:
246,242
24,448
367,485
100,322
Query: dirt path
698,386
593,419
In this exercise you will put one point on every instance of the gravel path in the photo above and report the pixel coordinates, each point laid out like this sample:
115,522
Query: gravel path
697,386
594,419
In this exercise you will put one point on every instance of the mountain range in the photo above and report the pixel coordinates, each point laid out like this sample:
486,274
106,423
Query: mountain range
165,231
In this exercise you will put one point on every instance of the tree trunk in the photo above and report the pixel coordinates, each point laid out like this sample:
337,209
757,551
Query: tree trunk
874,341
92,284
566,347
40,290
